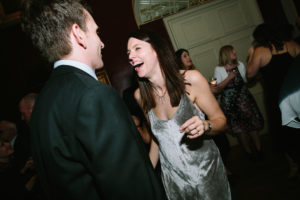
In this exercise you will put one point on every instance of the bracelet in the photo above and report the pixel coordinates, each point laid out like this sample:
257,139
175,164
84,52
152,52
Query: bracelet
209,128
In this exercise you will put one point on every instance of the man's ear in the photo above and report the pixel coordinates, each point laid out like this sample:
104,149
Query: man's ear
31,108
79,35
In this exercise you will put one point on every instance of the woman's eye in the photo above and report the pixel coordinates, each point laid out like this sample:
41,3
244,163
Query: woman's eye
137,48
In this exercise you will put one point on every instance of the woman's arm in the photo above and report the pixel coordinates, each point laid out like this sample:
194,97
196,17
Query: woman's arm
253,64
201,95
220,86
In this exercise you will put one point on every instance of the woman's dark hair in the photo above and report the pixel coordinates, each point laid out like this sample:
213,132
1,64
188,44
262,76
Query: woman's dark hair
178,54
267,35
178,57
285,31
169,67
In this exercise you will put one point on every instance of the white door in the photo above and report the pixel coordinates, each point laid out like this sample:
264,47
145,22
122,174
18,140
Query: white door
203,30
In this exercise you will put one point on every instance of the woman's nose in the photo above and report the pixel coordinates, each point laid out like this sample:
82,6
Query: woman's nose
130,56
102,45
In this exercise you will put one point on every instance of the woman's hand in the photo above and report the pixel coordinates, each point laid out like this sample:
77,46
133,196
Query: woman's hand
28,165
214,88
29,185
194,127
232,74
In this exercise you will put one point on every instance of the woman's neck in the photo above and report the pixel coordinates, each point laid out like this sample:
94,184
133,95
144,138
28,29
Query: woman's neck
159,88
158,82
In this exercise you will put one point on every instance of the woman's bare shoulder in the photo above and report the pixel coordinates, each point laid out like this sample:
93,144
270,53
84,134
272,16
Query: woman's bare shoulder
193,76
262,49
263,54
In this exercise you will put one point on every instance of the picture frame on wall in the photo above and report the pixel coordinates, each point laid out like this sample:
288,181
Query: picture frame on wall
103,76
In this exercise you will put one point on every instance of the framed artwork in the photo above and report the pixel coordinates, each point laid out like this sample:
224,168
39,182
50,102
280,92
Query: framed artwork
103,76
147,11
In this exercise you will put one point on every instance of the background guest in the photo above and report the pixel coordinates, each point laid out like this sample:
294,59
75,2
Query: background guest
8,132
243,116
13,183
271,56
22,144
289,103
26,106
184,60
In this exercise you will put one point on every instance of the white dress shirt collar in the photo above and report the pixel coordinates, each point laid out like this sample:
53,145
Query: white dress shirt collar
78,65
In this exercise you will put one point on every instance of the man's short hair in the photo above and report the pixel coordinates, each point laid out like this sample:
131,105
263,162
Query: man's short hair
49,22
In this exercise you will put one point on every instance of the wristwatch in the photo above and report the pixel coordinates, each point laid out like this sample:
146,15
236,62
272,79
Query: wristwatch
209,128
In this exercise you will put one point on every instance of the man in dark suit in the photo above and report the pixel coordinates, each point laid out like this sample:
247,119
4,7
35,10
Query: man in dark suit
84,142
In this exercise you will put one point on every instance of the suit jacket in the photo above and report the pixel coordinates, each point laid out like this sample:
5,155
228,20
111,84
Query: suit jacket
85,144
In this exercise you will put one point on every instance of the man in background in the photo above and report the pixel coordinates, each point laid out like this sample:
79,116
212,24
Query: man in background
22,149
85,144
26,106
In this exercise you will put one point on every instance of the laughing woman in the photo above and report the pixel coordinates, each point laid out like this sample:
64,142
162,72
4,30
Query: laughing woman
174,103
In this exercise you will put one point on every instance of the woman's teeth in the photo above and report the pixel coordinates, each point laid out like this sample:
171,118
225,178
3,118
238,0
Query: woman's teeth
138,64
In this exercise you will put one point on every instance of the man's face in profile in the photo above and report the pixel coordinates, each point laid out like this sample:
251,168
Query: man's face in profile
25,111
94,43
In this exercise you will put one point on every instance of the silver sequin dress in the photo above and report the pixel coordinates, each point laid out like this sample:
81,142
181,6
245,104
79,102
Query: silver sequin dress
191,168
